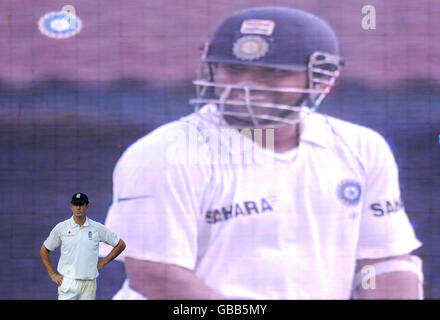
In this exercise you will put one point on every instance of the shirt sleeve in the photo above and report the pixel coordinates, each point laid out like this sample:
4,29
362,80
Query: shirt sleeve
385,229
107,236
54,239
155,209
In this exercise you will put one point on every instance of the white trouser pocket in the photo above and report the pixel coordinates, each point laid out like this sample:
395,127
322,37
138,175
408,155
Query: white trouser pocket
65,285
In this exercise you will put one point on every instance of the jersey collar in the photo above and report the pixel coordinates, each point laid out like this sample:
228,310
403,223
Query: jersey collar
315,130
73,224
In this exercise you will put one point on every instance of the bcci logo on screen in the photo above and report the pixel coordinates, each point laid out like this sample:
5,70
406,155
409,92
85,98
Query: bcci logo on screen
60,25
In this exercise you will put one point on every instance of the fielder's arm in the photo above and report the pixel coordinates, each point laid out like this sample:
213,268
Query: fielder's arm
406,283
116,251
45,257
165,281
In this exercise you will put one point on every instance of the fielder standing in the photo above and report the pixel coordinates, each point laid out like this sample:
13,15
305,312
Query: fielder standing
79,237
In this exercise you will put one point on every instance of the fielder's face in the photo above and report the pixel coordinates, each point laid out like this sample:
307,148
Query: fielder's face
260,77
79,211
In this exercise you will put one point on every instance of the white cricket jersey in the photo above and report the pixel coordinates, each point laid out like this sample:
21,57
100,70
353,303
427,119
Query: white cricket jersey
79,247
277,227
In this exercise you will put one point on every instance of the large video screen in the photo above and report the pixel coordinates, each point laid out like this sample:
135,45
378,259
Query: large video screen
95,99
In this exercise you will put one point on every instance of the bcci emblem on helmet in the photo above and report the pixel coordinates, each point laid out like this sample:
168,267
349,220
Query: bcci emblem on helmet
250,48
349,192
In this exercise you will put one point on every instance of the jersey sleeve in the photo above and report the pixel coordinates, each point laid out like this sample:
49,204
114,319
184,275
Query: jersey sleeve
107,236
54,240
385,229
155,208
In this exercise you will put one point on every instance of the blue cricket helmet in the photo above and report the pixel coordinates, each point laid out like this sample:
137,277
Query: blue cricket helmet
270,37
276,37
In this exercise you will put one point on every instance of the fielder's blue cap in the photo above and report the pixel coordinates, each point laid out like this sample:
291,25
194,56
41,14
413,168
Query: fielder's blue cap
79,199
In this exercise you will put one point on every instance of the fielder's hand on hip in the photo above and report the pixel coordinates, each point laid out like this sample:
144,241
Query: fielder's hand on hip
58,279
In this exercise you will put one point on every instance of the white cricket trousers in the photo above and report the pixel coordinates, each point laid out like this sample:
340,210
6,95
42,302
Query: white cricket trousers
75,289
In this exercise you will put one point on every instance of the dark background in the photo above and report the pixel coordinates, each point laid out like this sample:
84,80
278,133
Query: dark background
69,108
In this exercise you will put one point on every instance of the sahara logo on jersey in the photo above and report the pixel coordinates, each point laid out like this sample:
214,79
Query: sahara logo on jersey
387,207
235,210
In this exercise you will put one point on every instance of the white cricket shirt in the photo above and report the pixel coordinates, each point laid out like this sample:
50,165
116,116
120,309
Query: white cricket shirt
278,227
79,247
